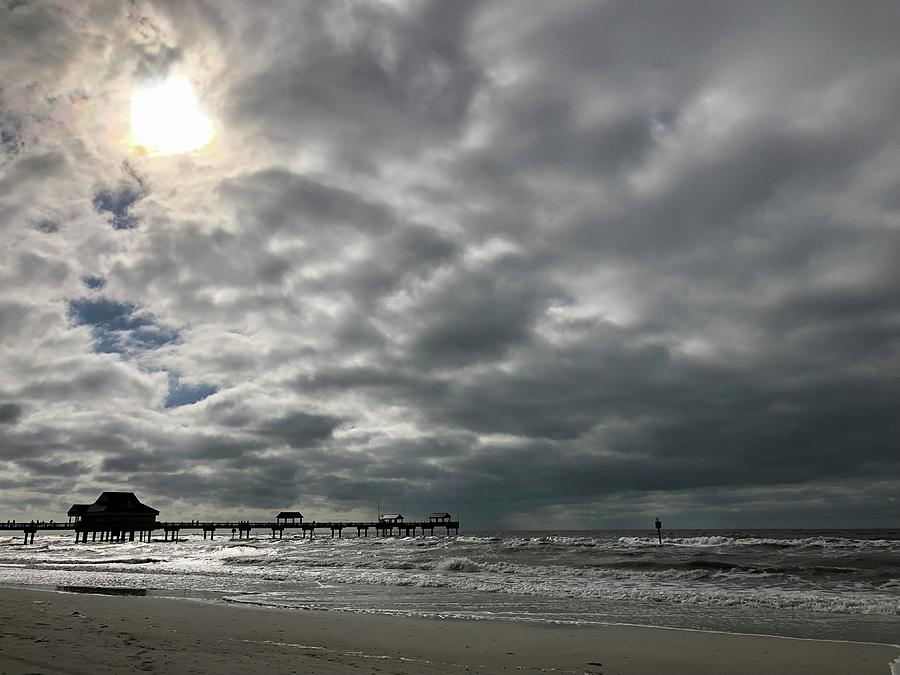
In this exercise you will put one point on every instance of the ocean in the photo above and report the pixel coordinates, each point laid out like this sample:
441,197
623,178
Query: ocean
823,584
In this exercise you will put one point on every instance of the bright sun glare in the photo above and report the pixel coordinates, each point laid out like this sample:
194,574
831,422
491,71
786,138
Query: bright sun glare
165,119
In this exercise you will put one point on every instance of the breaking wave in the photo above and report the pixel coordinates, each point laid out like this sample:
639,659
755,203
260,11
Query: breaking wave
457,565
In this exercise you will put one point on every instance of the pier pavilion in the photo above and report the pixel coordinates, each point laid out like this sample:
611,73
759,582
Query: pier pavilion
114,515
292,516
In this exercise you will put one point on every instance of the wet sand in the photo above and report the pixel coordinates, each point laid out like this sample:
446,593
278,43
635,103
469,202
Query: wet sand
43,632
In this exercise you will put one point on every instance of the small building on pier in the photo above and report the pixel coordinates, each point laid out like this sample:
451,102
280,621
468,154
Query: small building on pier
76,512
118,512
292,516
439,517
390,518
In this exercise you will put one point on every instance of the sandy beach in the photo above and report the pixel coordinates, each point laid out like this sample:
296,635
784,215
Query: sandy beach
44,632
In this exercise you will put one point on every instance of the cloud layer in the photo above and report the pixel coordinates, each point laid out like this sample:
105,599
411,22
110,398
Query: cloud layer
542,264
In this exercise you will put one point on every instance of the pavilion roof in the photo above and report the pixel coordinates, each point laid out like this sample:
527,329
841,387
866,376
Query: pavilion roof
119,502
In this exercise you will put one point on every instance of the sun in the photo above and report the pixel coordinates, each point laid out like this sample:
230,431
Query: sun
165,119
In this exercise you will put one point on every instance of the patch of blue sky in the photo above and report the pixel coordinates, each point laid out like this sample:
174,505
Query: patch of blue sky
118,203
11,141
187,394
118,327
93,281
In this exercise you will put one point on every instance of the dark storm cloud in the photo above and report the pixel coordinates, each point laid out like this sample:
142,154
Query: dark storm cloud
50,467
156,59
362,78
95,379
284,200
10,413
299,429
325,219
40,31
270,488
135,462
480,315
535,260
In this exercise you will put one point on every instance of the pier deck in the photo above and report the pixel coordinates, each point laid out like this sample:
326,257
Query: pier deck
236,528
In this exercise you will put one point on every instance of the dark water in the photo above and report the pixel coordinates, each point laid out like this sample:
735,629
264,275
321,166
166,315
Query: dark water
835,584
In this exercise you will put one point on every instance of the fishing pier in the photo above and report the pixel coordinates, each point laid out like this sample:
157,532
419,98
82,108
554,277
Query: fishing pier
120,516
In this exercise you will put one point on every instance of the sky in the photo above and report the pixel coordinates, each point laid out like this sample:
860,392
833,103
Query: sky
539,264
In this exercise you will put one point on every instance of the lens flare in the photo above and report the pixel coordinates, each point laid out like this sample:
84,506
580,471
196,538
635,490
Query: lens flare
165,119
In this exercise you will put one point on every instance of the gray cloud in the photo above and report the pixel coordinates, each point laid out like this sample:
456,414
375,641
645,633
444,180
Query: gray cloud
10,413
299,429
537,263
361,79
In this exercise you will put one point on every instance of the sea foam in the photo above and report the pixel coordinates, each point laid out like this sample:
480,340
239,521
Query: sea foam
823,578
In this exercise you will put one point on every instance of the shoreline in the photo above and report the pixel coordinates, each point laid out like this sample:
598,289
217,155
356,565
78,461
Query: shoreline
60,632
214,598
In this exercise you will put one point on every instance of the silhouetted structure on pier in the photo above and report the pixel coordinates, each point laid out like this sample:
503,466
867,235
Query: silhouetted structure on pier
114,515
293,516
76,512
